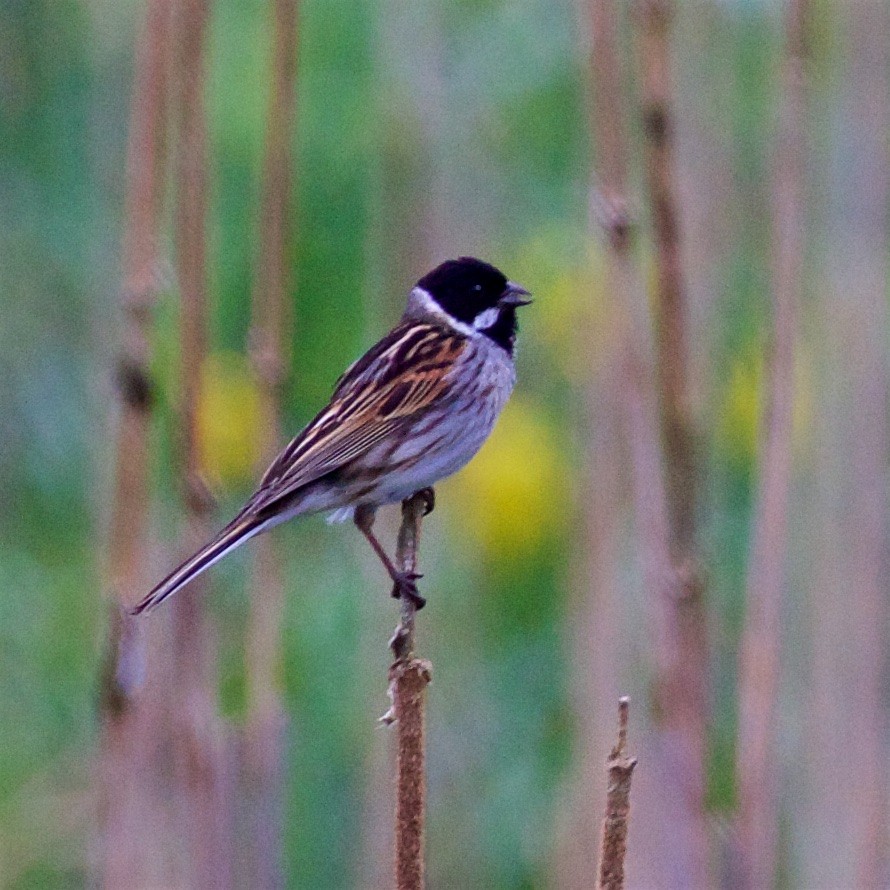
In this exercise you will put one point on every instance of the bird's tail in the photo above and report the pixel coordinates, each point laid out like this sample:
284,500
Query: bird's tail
232,536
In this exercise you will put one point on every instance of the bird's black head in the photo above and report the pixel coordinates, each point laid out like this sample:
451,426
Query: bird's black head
477,295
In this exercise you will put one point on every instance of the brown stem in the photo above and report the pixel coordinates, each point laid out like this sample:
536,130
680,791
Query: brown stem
595,624
130,727
664,510
200,744
654,33
619,767
681,695
269,338
145,188
408,679
270,333
759,667
191,247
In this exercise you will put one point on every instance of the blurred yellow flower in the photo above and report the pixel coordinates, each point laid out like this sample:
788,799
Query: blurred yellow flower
572,315
511,497
738,427
228,414
739,413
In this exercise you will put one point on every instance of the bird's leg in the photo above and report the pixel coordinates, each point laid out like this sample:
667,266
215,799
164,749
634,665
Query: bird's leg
429,499
404,583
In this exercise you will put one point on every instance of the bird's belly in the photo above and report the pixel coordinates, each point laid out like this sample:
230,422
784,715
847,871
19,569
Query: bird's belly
443,443
443,456
438,444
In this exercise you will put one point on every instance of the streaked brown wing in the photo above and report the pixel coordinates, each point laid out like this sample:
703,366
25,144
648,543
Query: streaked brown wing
393,384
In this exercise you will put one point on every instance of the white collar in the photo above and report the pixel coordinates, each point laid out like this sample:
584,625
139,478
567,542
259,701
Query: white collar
421,302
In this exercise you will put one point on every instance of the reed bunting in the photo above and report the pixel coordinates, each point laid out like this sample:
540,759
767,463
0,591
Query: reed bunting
412,410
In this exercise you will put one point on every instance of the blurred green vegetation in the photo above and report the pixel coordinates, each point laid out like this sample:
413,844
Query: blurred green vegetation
508,147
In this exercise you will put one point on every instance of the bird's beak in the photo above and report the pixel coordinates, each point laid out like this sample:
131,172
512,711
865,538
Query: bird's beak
514,295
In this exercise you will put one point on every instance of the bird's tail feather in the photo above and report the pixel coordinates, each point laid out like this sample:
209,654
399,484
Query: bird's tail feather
232,536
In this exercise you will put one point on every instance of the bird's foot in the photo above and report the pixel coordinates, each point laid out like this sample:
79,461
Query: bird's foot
405,586
429,499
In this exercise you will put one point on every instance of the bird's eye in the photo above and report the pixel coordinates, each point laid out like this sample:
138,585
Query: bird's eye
477,287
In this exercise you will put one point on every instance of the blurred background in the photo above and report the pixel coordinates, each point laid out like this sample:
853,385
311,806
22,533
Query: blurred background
423,130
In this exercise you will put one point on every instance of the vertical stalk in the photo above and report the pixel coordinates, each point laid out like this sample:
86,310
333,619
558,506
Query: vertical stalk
198,735
408,679
128,731
620,768
760,660
595,624
681,696
654,19
269,340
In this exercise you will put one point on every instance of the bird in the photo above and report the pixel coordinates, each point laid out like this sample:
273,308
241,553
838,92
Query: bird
415,408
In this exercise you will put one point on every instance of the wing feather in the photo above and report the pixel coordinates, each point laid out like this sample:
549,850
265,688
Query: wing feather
394,383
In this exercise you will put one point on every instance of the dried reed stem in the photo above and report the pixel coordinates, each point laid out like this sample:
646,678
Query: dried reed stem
661,453
619,767
128,733
654,19
408,679
760,660
681,695
146,157
200,743
269,340
597,644
191,246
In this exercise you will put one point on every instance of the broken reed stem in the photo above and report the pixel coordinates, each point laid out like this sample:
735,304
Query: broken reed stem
408,679
620,769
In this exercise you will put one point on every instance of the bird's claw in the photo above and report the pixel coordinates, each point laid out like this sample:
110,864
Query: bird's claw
406,586
429,499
